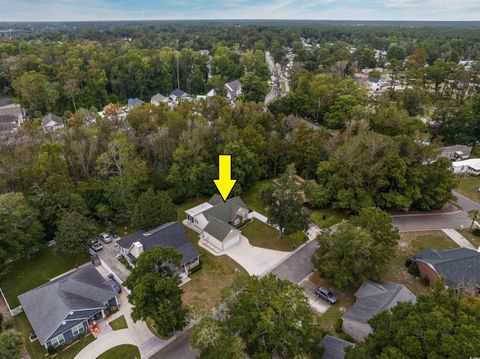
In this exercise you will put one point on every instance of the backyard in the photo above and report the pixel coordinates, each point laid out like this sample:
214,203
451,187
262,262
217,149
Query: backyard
260,234
411,243
125,351
216,273
331,217
25,274
469,186
37,351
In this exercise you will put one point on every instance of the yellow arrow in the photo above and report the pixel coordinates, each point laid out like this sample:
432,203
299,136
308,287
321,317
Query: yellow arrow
224,182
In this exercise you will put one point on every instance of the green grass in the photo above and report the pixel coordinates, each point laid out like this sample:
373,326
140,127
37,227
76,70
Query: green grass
119,323
467,233
189,203
37,351
410,244
262,235
204,289
332,217
252,197
125,351
469,186
26,274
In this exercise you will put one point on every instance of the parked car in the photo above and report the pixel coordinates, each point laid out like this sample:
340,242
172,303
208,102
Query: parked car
116,287
326,295
96,246
105,237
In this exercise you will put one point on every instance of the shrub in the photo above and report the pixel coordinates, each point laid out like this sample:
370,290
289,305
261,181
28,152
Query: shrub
338,325
476,232
412,267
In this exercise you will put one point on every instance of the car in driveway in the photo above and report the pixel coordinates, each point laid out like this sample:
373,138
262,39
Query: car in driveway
105,237
96,246
326,295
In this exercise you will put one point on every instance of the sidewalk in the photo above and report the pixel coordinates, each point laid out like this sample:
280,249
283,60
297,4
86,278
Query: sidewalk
458,238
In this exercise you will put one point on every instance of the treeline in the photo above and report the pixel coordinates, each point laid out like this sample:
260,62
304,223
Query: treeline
59,77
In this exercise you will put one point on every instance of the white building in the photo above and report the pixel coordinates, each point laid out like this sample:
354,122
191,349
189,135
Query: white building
470,166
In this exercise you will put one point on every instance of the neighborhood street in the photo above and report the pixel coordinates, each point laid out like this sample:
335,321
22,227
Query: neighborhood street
420,222
179,348
465,203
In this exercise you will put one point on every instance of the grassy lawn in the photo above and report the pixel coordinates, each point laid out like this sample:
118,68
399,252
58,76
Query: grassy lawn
26,274
125,351
216,273
332,217
189,203
468,186
262,235
345,299
119,323
252,197
467,233
411,243
37,351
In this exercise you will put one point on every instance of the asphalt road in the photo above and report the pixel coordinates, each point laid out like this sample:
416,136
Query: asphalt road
178,349
465,203
431,221
298,265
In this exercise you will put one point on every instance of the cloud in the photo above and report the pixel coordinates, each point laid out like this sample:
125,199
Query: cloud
70,10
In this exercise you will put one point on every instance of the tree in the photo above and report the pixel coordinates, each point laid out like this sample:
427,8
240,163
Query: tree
36,91
20,230
341,111
284,205
155,290
254,88
11,345
266,317
153,209
474,215
74,234
358,250
439,325
245,165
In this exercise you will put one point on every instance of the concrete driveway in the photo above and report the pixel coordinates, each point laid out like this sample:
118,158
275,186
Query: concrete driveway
255,260
318,305
109,256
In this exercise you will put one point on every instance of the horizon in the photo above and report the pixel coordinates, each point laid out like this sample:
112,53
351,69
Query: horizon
297,10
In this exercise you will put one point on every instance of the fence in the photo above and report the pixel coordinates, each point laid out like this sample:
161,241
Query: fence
13,311
110,271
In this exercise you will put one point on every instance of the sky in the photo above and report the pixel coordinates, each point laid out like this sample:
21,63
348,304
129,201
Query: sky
89,10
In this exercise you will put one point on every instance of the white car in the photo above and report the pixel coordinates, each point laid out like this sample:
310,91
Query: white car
105,237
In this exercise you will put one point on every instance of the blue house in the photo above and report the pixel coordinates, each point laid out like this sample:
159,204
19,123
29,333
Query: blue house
60,310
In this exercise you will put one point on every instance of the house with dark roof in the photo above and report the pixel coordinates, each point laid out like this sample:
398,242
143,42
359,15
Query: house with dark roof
234,90
11,116
179,95
371,299
460,267
218,221
51,123
134,102
170,234
62,310
334,348
456,153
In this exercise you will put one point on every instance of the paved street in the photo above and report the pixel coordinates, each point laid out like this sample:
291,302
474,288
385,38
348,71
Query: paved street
466,203
423,222
178,349
298,265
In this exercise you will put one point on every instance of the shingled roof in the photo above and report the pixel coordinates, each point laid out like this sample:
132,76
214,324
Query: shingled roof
168,235
457,266
334,347
49,305
374,297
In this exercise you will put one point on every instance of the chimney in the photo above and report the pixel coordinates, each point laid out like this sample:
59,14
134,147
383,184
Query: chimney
137,249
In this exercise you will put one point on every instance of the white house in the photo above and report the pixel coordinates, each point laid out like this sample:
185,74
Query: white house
179,95
158,99
51,123
218,221
470,166
234,90
12,116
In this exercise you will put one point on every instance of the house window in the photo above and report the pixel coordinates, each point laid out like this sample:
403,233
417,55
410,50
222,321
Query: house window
58,340
77,329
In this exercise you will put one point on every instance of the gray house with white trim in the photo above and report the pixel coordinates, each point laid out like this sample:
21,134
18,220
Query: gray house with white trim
60,310
170,234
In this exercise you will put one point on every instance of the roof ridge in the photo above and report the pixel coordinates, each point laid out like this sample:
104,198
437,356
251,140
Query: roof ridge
397,290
